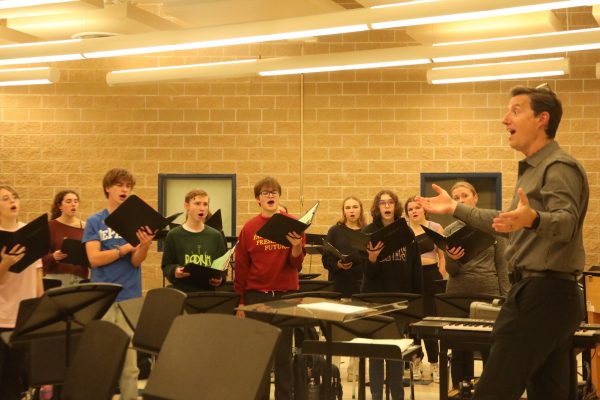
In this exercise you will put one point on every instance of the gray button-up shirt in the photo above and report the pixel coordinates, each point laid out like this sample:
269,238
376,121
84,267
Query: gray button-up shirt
556,186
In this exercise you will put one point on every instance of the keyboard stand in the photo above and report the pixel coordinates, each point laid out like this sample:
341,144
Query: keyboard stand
362,351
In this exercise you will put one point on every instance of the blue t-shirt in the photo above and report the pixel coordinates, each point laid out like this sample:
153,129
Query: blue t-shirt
120,271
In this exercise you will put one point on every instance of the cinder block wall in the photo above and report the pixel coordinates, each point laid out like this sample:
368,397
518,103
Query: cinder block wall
361,131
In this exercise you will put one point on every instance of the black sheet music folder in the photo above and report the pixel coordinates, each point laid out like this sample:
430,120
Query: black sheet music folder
35,236
329,248
394,236
201,274
133,214
75,251
279,225
215,221
163,232
472,240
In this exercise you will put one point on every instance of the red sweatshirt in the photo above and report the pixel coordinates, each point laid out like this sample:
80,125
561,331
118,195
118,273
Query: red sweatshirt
261,264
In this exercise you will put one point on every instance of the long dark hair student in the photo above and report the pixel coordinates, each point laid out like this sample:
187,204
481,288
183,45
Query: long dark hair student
398,272
64,223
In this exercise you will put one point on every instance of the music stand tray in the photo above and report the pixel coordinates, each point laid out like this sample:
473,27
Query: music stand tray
211,302
131,309
326,310
65,310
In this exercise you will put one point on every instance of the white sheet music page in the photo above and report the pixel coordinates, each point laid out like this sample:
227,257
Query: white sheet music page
333,307
403,344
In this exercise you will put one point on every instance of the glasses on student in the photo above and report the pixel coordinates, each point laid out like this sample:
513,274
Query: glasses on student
9,198
386,202
269,192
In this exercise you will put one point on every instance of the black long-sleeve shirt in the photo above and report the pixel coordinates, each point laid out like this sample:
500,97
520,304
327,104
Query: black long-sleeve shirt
399,272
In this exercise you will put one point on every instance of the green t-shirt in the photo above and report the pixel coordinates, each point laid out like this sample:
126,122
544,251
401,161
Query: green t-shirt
184,247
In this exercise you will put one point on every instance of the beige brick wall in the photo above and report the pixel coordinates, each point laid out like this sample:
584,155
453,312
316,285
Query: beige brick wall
362,131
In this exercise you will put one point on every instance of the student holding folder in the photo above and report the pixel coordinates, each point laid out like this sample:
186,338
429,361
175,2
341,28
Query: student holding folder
64,223
433,264
14,287
113,260
194,242
265,271
346,274
398,272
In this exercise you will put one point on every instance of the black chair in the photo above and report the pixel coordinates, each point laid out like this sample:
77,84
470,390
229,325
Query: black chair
97,362
160,308
227,286
198,360
211,302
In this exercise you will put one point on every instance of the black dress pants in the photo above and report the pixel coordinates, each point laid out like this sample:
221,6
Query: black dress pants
531,342
12,376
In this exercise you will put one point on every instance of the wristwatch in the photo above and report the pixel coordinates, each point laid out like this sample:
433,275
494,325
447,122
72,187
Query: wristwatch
536,220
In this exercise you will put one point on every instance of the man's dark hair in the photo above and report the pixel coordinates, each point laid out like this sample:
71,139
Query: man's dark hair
543,99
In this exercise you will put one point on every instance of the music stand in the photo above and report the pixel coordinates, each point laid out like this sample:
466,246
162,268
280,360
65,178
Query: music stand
336,313
65,310
211,302
314,285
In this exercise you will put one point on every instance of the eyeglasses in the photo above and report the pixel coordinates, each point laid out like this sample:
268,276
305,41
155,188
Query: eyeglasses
269,192
386,203
9,198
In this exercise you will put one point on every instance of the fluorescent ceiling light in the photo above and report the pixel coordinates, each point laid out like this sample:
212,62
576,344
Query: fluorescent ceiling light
330,68
450,11
282,29
543,43
28,3
377,58
499,71
227,42
37,52
307,26
223,69
495,27
407,3
29,76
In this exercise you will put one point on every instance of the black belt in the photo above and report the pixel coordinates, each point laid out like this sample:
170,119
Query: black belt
271,293
517,275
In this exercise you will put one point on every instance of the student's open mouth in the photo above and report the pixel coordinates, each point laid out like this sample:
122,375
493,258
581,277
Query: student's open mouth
73,210
387,212
201,215
512,131
13,208
123,196
271,202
